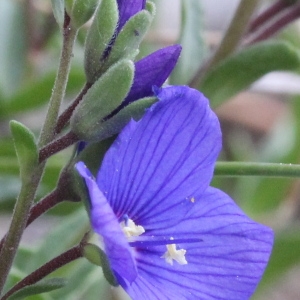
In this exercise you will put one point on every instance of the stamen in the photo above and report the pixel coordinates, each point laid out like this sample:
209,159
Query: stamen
130,229
172,253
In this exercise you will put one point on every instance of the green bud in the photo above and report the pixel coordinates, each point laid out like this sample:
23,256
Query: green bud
134,110
81,11
129,38
97,257
98,37
105,95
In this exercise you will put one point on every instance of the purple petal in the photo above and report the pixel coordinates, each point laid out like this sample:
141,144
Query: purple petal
153,70
157,164
227,264
104,223
127,9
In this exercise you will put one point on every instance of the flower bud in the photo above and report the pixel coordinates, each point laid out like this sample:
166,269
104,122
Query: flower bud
106,94
99,36
80,11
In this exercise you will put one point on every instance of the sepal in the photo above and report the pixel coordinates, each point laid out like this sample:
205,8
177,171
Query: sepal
99,37
151,8
128,40
106,94
93,154
116,123
98,257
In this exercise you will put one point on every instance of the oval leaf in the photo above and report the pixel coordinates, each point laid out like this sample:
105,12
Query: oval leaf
43,286
26,148
237,72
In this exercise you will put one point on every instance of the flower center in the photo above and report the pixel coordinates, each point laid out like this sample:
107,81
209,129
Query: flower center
131,229
174,254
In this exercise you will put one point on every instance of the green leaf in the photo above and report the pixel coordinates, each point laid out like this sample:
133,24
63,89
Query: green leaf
99,36
116,123
191,39
82,11
128,40
43,286
237,72
58,7
26,149
36,93
102,98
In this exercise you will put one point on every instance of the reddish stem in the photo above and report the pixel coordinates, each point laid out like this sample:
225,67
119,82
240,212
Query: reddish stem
67,114
57,145
54,264
286,17
268,14
44,205
40,208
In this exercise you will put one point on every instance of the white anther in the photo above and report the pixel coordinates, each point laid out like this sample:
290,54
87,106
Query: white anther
130,229
173,254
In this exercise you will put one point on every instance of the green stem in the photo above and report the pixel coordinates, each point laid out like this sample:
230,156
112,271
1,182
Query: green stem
18,223
231,38
237,169
29,187
48,131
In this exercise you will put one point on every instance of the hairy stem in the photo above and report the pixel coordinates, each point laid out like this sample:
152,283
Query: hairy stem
48,131
57,145
29,187
18,224
67,114
54,264
40,208
230,40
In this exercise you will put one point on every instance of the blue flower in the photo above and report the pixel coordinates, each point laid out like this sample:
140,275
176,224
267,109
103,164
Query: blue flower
152,70
127,9
167,233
